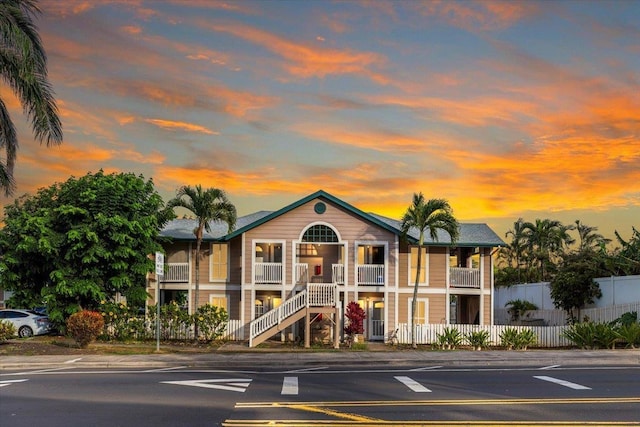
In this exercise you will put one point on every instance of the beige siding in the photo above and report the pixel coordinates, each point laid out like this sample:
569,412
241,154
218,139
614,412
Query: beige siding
487,267
436,304
403,259
289,227
235,261
390,304
438,267
437,308
177,252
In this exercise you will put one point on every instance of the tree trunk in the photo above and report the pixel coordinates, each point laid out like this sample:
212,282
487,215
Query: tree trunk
414,304
197,289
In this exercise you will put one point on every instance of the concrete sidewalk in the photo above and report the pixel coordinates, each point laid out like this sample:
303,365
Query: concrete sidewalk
239,357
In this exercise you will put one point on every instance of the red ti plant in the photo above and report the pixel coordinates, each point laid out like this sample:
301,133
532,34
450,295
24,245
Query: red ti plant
356,315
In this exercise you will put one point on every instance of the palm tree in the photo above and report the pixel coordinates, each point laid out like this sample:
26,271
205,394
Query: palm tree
432,215
23,67
546,238
516,249
589,239
208,206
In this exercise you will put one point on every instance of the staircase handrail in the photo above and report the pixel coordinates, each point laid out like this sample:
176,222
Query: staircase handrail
276,315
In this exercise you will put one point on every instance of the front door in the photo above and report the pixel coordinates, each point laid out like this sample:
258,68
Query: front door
376,321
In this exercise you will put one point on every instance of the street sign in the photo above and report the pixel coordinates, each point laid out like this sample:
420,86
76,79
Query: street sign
159,263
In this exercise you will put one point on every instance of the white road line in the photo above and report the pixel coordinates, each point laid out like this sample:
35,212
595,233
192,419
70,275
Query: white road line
5,383
562,382
426,368
295,371
40,371
73,360
548,367
164,369
290,386
231,384
413,385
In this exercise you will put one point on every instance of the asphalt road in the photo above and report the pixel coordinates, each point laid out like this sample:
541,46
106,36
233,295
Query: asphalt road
320,395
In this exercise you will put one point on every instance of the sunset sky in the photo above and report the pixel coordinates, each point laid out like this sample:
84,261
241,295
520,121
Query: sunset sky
507,109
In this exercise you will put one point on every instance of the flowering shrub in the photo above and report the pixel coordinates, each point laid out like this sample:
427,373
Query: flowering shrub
7,330
85,326
211,321
121,322
175,323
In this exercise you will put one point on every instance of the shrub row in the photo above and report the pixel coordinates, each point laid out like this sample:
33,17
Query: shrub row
123,323
511,338
623,332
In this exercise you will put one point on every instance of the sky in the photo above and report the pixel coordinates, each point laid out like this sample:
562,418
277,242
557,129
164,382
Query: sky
507,109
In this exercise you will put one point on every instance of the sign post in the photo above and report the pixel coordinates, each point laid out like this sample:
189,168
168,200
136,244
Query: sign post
159,274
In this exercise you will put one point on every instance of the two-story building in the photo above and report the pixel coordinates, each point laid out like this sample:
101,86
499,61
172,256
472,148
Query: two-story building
322,252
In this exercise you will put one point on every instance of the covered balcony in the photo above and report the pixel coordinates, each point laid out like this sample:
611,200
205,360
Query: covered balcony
176,272
461,277
267,273
371,274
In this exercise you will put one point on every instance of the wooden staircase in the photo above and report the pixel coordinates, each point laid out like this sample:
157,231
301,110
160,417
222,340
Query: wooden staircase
316,298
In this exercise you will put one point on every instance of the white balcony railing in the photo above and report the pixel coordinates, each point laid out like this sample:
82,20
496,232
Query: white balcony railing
322,294
267,272
176,272
460,277
337,273
371,274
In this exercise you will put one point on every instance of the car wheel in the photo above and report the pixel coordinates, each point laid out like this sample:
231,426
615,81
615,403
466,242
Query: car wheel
25,332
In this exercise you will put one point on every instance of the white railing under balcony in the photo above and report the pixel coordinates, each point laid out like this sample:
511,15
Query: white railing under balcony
460,277
302,273
277,315
316,295
371,274
176,272
322,294
337,273
267,272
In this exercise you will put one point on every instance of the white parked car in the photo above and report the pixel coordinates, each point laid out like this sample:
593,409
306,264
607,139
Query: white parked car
27,322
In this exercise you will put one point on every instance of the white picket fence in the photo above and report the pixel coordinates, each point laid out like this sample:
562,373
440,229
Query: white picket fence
547,336
234,331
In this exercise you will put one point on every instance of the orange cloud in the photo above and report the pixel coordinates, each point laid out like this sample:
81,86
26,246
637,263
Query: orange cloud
477,15
305,61
174,125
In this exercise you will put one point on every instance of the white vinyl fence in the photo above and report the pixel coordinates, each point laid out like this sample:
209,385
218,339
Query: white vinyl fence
547,336
559,317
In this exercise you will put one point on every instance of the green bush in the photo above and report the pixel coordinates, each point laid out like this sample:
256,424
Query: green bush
513,339
626,319
121,322
449,339
85,326
590,335
211,321
7,330
478,339
175,323
629,334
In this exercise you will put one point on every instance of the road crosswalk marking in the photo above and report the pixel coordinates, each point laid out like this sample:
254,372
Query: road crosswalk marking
562,382
413,385
290,386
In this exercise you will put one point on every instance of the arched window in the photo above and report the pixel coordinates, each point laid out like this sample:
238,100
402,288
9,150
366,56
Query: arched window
320,234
